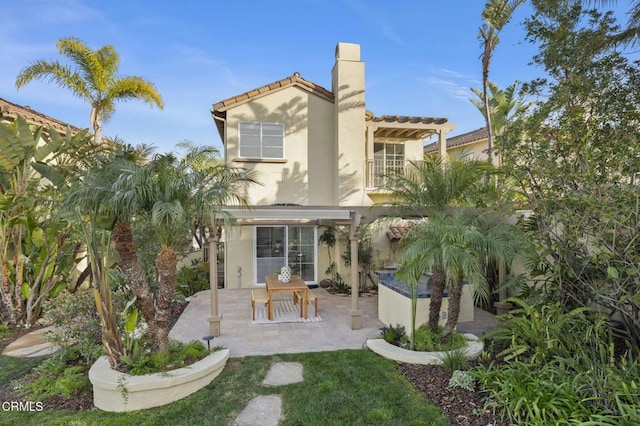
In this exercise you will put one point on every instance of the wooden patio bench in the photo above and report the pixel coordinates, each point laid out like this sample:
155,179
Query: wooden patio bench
311,297
258,295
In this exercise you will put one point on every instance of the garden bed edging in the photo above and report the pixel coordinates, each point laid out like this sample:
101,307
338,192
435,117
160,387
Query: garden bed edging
117,392
472,350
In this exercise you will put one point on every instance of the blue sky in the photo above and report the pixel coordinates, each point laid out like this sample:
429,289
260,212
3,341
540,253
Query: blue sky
421,57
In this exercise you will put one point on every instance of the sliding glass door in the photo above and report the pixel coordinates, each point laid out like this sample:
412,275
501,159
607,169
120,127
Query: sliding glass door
276,246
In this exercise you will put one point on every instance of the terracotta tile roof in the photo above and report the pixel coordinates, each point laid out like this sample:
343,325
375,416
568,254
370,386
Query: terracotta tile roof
11,110
463,139
397,232
293,80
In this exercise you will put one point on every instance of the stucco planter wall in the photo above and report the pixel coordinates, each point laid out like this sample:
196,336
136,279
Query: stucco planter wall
472,350
116,391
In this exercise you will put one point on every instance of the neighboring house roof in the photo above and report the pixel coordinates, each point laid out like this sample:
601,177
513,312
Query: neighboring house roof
461,140
387,123
9,110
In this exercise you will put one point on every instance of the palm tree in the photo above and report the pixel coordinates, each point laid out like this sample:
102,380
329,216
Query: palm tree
457,243
172,194
429,188
94,79
496,14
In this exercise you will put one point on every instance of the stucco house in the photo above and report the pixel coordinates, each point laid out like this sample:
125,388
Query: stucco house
469,145
320,156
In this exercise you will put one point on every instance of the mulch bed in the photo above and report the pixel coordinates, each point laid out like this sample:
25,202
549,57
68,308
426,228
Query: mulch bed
460,406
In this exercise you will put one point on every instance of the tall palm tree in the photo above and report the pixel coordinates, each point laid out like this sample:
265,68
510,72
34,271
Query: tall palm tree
496,14
94,79
429,188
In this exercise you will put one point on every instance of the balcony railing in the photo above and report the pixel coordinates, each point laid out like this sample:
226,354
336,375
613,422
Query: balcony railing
378,170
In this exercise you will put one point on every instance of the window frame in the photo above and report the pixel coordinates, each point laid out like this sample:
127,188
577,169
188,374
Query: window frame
261,145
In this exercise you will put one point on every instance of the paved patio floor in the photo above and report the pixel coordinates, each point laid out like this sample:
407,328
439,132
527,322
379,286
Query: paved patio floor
244,338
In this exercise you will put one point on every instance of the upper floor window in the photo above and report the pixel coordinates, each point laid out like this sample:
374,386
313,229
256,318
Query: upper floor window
261,140
388,158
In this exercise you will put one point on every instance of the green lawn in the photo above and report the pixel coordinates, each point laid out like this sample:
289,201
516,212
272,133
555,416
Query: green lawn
348,387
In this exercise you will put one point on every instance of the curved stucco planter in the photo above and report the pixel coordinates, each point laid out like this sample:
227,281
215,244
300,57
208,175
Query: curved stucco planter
116,391
472,350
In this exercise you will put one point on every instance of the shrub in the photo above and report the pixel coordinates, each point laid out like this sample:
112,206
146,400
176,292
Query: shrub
179,355
539,332
455,360
76,321
4,331
463,380
194,278
65,374
395,335
576,377
430,342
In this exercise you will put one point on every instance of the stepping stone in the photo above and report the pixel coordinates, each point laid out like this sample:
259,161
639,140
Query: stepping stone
261,411
31,345
284,373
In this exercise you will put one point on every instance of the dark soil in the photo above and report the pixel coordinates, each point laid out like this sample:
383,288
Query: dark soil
460,406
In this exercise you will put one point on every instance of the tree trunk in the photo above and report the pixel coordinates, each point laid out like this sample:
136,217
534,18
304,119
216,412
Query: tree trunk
133,271
455,294
166,265
5,292
438,284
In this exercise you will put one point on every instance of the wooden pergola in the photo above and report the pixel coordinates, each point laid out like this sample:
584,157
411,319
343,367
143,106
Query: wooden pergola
287,215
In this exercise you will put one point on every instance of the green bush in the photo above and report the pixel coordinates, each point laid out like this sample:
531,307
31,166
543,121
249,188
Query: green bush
561,368
64,374
539,332
194,278
4,331
395,335
455,360
179,355
430,342
76,321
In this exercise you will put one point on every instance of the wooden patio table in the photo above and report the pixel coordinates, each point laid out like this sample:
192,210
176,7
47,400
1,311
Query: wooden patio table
296,284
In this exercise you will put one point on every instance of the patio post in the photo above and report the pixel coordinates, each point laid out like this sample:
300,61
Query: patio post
442,141
214,319
356,314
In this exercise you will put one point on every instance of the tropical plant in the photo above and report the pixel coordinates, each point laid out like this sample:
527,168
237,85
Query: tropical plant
431,187
171,194
496,14
504,105
93,78
34,252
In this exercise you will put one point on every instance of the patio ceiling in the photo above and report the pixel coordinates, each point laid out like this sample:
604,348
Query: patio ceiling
292,214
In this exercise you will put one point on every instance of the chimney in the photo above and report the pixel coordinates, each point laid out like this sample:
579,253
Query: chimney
348,88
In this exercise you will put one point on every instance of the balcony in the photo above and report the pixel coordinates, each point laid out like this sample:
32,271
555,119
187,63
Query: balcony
378,170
